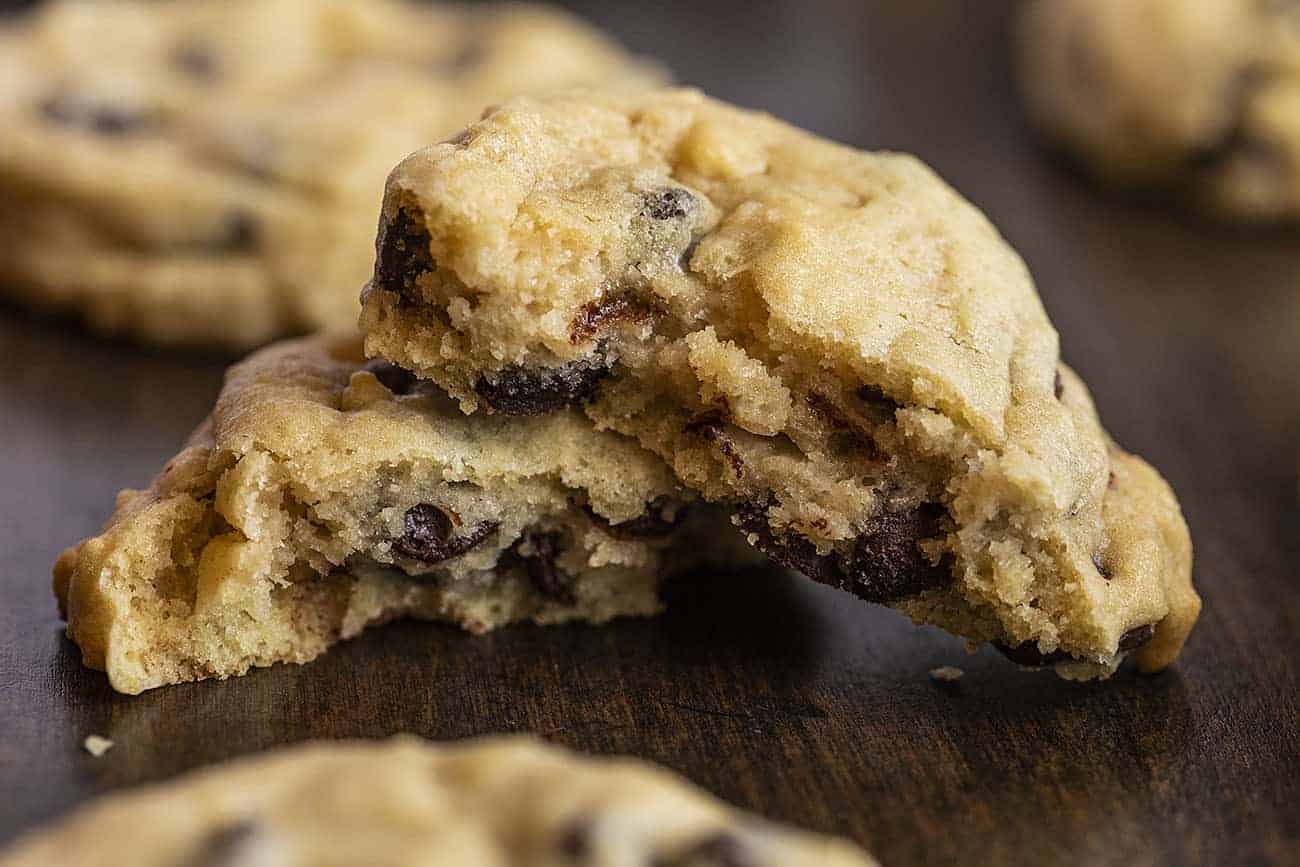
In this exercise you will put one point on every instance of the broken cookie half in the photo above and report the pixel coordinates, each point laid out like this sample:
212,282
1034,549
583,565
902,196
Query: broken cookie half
831,343
326,493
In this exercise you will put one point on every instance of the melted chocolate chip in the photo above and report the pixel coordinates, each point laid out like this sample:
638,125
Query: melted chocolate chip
402,255
1028,654
661,516
106,120
1100,564
575,839
396,379
545,575
668,203
518,390
429,535
1135,638
1058,386
710,428
603,313
887,563
722,849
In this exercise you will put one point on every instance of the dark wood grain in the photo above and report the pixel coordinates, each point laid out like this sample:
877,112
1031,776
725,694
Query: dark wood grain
777,694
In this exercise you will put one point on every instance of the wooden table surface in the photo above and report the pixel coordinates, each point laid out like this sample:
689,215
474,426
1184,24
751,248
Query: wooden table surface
782,696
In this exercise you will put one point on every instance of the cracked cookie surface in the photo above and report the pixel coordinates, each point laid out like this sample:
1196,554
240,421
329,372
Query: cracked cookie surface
503,802
1198,98
831,343
326,493
207,173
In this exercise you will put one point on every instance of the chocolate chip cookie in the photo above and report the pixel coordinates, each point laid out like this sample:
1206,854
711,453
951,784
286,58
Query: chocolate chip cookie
831,343
326,493
194,172
1199,98
505,802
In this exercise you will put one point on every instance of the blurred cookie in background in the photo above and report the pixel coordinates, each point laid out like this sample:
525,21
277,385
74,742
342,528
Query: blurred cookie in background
1200,98
202,173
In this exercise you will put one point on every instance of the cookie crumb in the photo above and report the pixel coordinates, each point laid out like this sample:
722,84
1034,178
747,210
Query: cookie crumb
946,673
97,745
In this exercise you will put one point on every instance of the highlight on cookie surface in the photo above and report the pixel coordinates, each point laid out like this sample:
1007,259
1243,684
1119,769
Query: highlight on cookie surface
326,493
512,802
198,173
832,344
1199,99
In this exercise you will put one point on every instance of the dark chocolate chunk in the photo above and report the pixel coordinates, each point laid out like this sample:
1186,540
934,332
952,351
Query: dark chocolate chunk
396,379
604,313
518,390
1029,655
660,517
1058,386
722,849
887,561
710,428
1135,638
402,254
668,203
546,576
198,60
430,535
106,120
229,846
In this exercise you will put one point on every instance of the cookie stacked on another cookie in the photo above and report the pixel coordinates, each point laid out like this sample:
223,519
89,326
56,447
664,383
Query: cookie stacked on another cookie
508,802
193,172
326,493
832,344
1200,98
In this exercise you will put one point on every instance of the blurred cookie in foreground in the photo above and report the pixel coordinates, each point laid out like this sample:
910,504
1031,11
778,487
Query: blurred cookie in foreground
189,172
325,493
832,344
504,802
1200,98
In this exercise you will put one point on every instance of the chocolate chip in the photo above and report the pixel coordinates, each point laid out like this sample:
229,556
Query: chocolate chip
1135,638
710,428
684,260
106,120
1029,656
396,379
198,60
545,575
722,849
402,255
1100,564
1111,481
603,313
239,232
661,516
887,562
875,397
430,535
518,390
1058,386
230,846
668,203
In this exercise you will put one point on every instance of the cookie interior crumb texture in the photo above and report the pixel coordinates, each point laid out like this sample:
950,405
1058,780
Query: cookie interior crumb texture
509,802
832,344
197,172
1202,97
325,493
